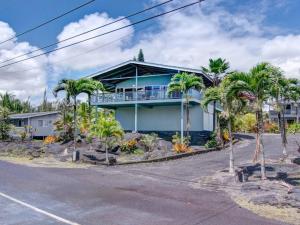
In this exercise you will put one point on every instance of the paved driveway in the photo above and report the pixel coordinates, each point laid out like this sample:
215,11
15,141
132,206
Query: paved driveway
150,194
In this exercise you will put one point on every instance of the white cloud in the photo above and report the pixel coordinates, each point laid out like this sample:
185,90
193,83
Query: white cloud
20,79
67,59
186,38
189,38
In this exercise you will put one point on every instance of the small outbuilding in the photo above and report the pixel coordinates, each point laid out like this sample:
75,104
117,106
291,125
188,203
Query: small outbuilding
39,124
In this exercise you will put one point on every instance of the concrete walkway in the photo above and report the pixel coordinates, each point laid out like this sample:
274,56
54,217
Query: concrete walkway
150,194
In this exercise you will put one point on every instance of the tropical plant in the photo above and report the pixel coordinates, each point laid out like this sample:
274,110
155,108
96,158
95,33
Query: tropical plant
212,141
5,126
73,88
149,141
63,126
217,69
106,128
294,128
231,105
255,87
180,145
45,106
15,105
84,117
50,139
282,91
129,146
245,123
184,83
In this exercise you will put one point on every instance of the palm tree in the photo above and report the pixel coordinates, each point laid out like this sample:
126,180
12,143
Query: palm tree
107,127
231,106
217,69
295,96
73,88
282,90
254,86
184,83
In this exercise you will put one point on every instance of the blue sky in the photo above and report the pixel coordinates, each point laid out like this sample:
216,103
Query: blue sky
242,31
24,14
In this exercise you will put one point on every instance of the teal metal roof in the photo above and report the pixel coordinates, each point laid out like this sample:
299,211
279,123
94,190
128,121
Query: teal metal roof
128,69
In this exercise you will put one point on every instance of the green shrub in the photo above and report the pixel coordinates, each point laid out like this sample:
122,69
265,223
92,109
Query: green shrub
294,128
245,123
148,141
5,127
212,142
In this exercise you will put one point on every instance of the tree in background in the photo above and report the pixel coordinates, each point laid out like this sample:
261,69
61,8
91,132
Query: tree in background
141,57
45,106
217,69
14,105
5,126
184,83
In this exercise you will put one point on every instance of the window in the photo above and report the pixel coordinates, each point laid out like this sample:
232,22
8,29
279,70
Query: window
49,123
40,123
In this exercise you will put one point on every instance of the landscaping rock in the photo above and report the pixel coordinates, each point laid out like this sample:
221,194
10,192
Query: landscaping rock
249,187
265,199
130,136
164,145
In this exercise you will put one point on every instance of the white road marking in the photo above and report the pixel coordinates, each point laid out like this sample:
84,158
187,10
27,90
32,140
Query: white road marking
38,210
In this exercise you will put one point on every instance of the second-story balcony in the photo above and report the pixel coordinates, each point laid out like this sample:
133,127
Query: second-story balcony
287,113
142,96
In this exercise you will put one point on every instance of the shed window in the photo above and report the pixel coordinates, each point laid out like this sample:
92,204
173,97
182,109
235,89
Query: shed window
40,123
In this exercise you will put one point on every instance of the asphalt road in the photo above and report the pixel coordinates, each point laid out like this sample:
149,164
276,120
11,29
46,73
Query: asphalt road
153,194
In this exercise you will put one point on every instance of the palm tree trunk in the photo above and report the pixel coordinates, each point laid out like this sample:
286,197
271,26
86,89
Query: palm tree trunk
89,108
106,151
283,135
260,142
187,119
214,115
75,122
297,115
231,159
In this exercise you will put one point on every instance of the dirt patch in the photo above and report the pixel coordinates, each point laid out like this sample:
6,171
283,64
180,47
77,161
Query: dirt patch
287,214
276,198
47,162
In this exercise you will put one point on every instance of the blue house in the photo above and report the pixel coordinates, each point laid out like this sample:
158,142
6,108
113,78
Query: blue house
138,94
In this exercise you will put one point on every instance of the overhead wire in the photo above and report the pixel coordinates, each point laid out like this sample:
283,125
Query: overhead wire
102,34
88,31
47,22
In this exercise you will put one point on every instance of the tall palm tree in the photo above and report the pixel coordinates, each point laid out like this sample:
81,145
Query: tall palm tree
277,93
231,106
254,86
73,88
295,96
217,69
184,83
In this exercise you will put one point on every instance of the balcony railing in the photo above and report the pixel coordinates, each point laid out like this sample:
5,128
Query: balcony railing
288,112
140,96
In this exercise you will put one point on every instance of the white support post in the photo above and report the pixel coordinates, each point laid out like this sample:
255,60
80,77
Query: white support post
181,121
136,99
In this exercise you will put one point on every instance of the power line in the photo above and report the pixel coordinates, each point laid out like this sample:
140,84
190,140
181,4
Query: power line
120,28
96,28
46,22
78,55
86,52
